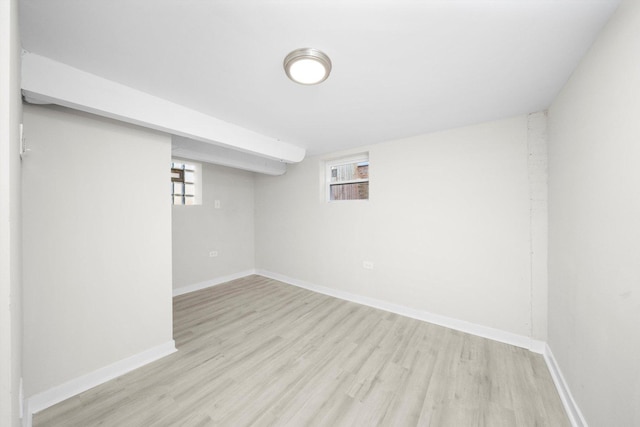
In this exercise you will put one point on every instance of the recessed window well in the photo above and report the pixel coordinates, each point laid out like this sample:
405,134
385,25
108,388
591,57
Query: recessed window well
307,66
348,178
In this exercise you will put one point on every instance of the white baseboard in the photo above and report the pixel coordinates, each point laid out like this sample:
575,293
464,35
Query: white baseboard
45,399
570,405
57,394
535,346
449,322
213,282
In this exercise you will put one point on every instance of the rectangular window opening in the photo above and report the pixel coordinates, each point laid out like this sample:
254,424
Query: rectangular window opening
184,183
348,178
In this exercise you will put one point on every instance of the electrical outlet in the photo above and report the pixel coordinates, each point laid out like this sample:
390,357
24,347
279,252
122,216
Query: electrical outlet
216,204
213,254
368,265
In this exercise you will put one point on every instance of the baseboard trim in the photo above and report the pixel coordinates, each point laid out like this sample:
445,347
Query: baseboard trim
45,399
41,401
522,341
570,405
213,282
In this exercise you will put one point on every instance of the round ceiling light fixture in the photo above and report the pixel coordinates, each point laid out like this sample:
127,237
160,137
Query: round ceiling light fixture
307,66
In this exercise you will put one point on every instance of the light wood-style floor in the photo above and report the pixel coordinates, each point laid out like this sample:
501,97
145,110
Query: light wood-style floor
259,352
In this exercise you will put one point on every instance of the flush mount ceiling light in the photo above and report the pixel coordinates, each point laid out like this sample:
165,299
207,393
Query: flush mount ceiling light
307,66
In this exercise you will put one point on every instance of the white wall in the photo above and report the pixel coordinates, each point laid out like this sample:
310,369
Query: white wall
447,226
97,244
538,197
201,229
10,205
594,216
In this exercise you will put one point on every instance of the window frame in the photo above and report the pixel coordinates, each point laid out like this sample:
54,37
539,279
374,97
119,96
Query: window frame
341,161
196,197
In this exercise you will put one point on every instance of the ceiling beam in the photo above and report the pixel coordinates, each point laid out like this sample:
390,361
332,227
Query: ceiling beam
49,81
195,150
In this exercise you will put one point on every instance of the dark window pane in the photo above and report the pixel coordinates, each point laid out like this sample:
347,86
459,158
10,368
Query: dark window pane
363,171
177,175
355,191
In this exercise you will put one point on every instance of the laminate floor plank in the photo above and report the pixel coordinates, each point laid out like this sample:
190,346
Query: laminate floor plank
258,352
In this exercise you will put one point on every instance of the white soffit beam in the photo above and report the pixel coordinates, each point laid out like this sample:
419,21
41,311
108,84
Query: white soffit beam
195,150
46,80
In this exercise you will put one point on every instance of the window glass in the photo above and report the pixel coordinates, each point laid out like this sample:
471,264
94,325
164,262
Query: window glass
184,183
348,178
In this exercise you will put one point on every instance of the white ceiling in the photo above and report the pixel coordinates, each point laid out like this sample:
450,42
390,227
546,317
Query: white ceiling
400,67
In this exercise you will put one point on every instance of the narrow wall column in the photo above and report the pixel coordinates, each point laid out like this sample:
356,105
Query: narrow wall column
538,179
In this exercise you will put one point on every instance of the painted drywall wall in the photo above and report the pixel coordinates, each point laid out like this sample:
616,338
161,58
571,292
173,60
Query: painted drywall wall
594,237
447,226
97,244
537,141
10,210
228,230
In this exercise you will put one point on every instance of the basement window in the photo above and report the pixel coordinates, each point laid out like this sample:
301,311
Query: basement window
348,178
184,182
